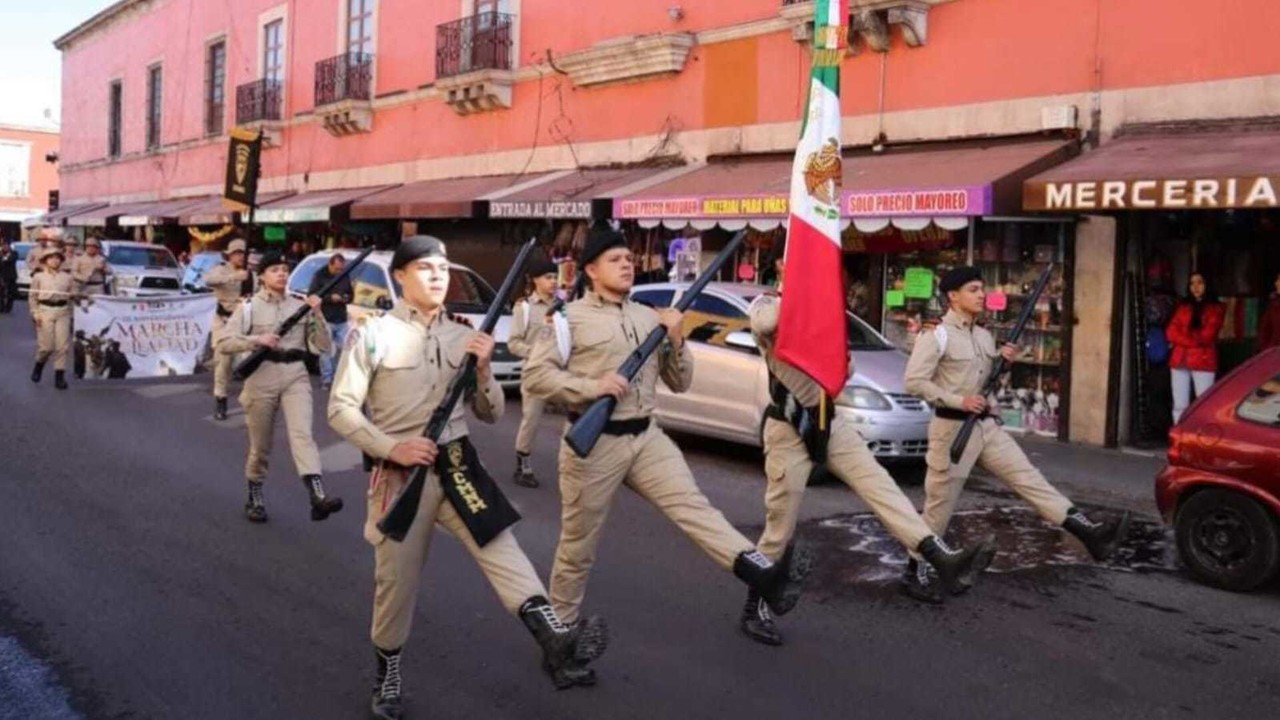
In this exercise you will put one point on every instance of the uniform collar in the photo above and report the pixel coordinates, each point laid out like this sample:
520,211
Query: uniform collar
408,313
594,299
954,318
267,295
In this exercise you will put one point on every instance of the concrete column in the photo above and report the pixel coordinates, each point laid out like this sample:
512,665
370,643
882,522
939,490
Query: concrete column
1095,262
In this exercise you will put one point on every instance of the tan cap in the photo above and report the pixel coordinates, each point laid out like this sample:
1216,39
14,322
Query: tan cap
93,242
236,245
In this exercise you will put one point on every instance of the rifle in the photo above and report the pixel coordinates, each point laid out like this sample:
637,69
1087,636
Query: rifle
966,430
399,518
255,359
584,434
578,284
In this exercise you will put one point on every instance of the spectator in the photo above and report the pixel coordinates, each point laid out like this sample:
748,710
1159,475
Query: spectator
1193,335
1269,325
334,308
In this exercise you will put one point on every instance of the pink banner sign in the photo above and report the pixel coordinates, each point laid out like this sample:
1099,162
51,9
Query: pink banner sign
940,202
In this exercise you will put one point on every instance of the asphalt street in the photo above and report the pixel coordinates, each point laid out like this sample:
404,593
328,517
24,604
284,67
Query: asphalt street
132,587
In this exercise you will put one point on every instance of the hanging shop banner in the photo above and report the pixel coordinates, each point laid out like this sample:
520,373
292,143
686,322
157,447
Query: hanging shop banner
973,200
1167,194
540,210
120,337
724,206
243,157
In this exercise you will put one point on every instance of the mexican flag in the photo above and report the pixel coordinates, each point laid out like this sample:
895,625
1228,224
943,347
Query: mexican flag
811,329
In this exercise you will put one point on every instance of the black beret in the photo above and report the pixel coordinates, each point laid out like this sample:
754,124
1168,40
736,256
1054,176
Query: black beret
418,246
601,238
958,277
542,266
271,258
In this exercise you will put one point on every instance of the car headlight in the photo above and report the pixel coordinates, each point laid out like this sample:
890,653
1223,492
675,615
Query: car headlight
864,398
128,280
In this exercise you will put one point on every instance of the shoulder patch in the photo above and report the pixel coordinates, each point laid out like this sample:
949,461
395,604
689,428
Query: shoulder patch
461,320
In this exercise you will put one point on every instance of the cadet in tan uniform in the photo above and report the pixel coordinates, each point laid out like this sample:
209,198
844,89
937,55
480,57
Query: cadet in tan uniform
231,282
91,269
949,366
50,301
795,442
280,383
575,365
397,367
529,319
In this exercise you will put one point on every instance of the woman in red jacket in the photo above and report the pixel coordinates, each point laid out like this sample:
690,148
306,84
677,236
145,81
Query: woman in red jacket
1193,335
1269,325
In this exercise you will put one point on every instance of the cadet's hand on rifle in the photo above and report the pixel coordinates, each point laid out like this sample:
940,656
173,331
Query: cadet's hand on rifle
612,384
314,301
673,320
481,346
975,404
267,340
1009,352
415,451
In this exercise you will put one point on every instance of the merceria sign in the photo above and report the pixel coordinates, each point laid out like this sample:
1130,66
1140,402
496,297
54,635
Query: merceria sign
1190,193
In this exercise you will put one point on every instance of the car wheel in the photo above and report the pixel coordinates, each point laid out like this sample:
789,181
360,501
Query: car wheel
1227,540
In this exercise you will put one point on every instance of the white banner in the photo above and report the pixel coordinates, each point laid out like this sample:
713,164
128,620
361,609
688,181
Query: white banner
143,337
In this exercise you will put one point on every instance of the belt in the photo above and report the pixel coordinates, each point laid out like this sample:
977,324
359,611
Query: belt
95,282
953,414
286,356
635,426
222,312
54,303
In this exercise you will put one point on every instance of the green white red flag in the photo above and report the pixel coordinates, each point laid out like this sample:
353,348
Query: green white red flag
812,334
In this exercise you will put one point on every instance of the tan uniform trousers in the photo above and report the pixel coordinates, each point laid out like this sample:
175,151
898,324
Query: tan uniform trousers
222,362
398,565
787,465
531,409
992,448
53,338
276,386
652,466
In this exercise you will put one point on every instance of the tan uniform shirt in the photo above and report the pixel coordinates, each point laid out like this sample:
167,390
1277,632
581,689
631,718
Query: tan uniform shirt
90,271
951,362
226,282
397,367
52,287
266,311
601,336
764,312
529,318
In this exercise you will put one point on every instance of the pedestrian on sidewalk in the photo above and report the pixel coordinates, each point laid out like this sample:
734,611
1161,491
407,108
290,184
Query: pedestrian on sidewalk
8,277
1269,324
575,365
949,367
280,383
395,370
49,301
1193,335
231,282
334,308
802,432
529,319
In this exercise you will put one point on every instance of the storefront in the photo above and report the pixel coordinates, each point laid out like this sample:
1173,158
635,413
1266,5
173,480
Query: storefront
1197,198
909,214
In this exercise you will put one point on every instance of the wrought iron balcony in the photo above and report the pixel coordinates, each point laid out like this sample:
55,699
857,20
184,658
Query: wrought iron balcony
479,42
345,77
259,100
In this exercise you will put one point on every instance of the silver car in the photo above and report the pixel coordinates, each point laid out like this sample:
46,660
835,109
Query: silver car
731,383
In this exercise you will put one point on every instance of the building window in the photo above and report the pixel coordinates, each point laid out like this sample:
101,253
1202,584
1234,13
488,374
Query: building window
273,51
15,169
215,80
115,104
359,27
155,100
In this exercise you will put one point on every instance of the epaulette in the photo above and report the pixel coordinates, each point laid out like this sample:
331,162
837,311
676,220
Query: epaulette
461,320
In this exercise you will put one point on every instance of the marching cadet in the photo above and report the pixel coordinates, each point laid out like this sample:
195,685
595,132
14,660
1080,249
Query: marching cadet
802,431
279,383
398,368
949,366
529,319
576,364
49,300
231,281
91,269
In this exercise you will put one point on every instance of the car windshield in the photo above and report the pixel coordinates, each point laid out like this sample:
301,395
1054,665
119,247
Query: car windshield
1262,406
468,292
21,249
141,257
861,336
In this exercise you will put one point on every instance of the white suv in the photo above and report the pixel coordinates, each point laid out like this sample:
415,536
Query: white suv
374,289
142,269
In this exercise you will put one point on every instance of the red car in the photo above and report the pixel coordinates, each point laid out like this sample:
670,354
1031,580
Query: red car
1221,490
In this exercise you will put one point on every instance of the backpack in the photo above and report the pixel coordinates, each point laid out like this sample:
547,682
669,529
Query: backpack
1157,346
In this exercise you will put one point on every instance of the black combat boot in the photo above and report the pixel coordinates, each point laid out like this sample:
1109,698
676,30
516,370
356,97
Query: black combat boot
255,508
387,704
919,584
1100,538
780,583
757,621
219,408
322,506
524,472
957,569
37,372
566,650
60,379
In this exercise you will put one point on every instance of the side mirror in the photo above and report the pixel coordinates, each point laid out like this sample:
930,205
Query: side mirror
383,303
742,340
